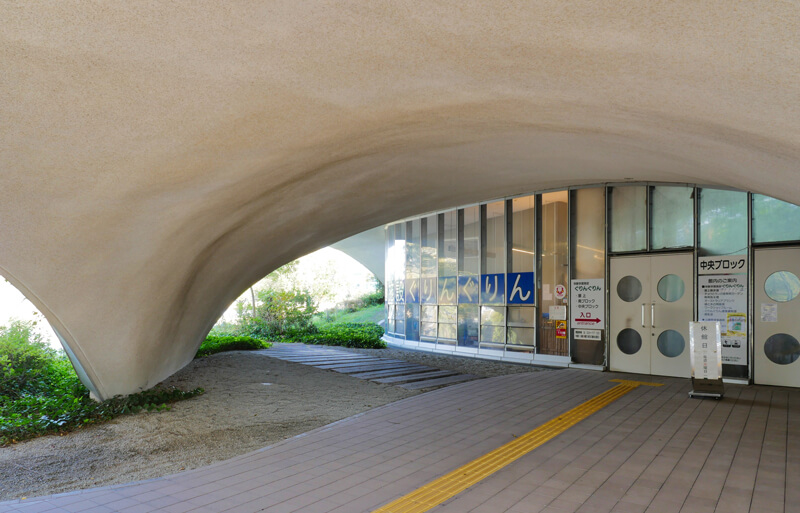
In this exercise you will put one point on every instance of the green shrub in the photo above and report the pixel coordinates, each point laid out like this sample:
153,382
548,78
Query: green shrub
279,314
40,392
363,335
216,344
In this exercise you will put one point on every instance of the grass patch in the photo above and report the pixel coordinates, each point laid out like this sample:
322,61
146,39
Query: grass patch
219,343
371,314
41,394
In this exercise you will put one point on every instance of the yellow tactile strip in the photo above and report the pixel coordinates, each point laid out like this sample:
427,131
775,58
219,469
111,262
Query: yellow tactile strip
449,485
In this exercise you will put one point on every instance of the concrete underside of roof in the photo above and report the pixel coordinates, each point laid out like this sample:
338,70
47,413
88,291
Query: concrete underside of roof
155,160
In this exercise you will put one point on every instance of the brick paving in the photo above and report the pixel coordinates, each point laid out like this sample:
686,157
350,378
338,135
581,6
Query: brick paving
653,450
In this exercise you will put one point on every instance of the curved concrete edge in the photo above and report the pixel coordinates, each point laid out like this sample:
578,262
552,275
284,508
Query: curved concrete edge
367,248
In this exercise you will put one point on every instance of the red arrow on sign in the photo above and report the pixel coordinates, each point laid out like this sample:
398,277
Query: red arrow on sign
588,320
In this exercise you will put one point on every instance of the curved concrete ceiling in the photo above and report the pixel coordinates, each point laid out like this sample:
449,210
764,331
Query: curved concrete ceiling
156,159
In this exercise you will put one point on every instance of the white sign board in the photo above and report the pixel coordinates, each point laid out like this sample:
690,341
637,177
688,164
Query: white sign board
705,346
727,264
588,304
587,334
723,298
769,312
558,313
560,292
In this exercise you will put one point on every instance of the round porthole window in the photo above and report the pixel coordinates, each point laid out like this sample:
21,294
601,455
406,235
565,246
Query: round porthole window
782,349
629,341
782,286
671,343
629,288
671,288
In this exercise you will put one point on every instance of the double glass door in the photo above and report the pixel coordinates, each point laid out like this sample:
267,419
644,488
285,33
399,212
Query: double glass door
651,308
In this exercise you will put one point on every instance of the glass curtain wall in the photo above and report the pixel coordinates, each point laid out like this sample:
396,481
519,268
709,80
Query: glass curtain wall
628,218
493,277
774,220
448,277
428,286
399,278
588,241
554,262
389,278
672,217
722,231
520,279
413,271
469,240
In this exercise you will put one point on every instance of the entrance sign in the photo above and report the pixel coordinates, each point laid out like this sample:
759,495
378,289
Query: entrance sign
587,335
722,298
588,304
705,346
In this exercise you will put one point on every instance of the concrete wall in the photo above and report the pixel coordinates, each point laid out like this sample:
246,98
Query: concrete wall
155,160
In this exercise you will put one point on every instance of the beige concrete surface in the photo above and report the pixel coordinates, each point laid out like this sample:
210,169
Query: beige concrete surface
156,159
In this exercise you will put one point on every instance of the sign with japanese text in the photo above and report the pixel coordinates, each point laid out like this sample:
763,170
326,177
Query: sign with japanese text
558,313
587,335
428,290
469,289
412,291
719,297
520,289
705,346
448,290
588,303
561,329
493,289
727,264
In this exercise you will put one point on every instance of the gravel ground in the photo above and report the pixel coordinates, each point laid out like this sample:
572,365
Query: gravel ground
251,401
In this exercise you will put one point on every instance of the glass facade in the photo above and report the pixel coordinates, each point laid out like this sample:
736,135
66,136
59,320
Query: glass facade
587,249
628,218
495,278
554,274
722,223
672,217
774,220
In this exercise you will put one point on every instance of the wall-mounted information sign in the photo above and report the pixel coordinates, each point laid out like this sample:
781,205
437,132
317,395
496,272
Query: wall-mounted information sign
587,335
587,300
723,298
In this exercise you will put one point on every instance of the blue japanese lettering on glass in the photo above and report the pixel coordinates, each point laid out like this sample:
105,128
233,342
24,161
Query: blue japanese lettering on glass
493,289
427,290
412,291
448,290
520,289
468,289
399,291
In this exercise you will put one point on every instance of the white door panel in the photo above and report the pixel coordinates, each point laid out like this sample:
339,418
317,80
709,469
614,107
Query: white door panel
777,350
672,309
630,315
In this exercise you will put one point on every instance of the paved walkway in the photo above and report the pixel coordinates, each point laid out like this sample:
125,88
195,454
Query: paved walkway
652,449
410,376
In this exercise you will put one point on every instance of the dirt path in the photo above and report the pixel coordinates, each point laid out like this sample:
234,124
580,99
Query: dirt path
251,401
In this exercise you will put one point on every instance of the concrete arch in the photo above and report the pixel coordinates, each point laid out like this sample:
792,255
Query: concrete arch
156,160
